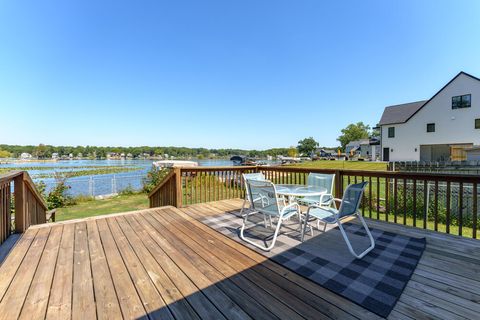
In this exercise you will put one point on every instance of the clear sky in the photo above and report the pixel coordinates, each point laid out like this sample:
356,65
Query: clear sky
238,73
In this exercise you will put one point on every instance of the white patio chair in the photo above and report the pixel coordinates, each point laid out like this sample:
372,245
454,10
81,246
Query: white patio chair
266,201
252,176
349,205
245,177
325,200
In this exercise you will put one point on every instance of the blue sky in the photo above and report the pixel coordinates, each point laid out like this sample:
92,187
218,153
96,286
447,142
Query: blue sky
240,74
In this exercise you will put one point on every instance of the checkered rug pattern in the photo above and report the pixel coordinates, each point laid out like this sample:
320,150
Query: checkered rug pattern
374,282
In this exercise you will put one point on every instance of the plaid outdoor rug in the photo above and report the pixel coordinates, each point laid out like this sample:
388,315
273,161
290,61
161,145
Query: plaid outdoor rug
374,282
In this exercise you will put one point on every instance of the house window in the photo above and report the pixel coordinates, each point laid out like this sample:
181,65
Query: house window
477,123
464,101
391,132
430,127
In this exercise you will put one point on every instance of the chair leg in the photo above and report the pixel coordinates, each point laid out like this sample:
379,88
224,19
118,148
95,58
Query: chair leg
243,206
265,248
302,235
349,245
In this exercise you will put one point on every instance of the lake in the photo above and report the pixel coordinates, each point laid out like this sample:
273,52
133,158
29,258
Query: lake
97,184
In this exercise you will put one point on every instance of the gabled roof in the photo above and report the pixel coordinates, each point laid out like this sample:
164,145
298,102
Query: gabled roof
403,112
400,113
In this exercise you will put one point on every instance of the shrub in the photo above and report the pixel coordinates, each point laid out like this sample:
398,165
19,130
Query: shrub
154,177
58,196
129,190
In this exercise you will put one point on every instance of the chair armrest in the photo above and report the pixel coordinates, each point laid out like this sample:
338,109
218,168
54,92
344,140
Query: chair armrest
291,205
326,195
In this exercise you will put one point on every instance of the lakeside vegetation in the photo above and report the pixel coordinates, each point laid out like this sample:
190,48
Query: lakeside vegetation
80,173
72,171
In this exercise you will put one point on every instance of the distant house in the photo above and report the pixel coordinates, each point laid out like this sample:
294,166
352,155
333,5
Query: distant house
438,129
112,155
55,156
25,156
326,153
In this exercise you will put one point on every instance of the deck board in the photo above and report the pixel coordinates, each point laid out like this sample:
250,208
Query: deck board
164,263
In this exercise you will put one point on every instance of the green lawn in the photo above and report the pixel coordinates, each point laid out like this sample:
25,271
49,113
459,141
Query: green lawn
349,165
92,208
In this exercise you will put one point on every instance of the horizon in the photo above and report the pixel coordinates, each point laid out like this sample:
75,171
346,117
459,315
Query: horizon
216,75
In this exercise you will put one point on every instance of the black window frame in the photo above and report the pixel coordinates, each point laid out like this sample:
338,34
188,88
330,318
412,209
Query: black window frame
477,123
459,104
429,127
391,132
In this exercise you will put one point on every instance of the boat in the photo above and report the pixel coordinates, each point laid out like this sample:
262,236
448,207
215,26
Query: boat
174,163
243,161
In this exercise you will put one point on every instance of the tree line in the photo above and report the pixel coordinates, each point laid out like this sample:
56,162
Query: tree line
43,151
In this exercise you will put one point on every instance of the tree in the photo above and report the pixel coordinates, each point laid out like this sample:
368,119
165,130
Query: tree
41,151
292,152
307,146
5,154
352,132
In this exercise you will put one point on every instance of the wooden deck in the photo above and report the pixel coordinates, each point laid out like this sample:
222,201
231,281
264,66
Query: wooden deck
164,263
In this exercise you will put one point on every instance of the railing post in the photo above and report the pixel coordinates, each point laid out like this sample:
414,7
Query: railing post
178,187
338,184
19,191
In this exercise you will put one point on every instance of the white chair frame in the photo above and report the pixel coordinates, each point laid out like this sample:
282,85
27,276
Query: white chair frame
337,220
281,217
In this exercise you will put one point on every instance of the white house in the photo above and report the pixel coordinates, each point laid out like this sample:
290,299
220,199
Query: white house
438,129
365,148
25,156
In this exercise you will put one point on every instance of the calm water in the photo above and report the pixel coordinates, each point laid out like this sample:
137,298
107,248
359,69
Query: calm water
99,184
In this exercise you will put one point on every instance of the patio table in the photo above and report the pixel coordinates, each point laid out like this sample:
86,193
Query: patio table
299,190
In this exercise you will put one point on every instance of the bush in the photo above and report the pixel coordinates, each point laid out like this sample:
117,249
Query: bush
129,190
154,177
58,196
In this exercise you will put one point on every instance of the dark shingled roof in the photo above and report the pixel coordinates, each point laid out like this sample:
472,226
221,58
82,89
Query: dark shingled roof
400,113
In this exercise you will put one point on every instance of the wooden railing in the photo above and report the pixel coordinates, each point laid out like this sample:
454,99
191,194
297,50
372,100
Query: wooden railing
440,202
165,194
25,205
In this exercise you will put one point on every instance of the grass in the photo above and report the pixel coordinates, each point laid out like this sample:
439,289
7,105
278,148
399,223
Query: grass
348,165
91,208
467,232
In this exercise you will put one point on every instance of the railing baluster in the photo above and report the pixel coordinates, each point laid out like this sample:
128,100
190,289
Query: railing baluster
387,200
363,199
370,197
447,218
435,210
460,208
425,203
414,202
405,201
378,198
395,200
475,210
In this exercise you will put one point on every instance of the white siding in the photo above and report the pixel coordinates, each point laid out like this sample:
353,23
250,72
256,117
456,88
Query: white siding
451,126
